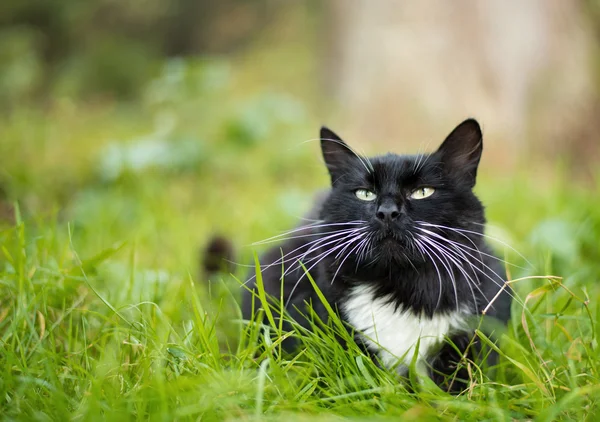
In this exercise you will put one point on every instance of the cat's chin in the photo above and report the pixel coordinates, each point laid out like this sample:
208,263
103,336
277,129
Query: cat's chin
393,250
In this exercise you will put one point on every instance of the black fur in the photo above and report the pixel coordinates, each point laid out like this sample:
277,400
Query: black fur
393,263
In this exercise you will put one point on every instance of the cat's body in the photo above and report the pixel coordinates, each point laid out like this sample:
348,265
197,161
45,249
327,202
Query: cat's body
397,248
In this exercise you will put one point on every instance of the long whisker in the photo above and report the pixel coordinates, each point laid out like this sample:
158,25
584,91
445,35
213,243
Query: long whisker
311,246
478,234
364,250
366,158
422,157
485,274
474,249
315,242
302,236
452,255
500,285
471,241
344,260
512,295
435,251
422,249
454,252
458,246
307,270
316,246
360,253
343,246
281,237
319,245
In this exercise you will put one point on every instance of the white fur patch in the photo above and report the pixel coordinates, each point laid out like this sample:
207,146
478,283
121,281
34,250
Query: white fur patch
395,332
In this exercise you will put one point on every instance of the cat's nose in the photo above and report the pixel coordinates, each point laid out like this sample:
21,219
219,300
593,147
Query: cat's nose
388,211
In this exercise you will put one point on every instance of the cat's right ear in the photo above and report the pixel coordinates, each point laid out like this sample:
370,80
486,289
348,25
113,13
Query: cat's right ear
461,151
337,155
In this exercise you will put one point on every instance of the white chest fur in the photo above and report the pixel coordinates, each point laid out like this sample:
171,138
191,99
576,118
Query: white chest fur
395,332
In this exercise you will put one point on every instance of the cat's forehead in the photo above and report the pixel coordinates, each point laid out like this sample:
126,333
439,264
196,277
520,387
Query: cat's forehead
394,166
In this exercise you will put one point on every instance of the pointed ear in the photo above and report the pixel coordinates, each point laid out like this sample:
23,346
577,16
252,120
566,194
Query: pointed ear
461,151
337,155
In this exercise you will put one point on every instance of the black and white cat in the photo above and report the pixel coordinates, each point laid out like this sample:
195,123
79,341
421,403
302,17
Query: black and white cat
398,250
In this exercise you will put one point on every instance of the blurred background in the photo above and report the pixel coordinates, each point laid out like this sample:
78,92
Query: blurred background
161,122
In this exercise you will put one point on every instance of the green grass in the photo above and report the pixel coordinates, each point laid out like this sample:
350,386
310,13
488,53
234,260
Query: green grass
104,314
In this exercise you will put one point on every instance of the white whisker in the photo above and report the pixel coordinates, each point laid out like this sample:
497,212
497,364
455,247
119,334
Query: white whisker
421,248
344,260
311,246
435,250
459,248
452,256
318,259
457,230
281,237
314,248
474,249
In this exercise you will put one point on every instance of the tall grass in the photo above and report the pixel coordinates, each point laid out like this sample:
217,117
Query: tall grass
99,337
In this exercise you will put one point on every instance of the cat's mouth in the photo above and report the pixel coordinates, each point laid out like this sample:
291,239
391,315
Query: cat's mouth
394,245
389,233
391,239
388,238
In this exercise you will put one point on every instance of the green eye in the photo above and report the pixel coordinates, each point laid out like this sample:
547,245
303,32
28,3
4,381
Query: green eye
422,193
365,195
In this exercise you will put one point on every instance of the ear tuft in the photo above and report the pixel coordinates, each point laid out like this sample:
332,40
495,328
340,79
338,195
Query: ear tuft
461,150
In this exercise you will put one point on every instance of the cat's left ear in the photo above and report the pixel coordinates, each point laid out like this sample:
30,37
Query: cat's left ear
461,151
337,155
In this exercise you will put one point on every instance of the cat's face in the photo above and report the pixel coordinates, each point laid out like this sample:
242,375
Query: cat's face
390,200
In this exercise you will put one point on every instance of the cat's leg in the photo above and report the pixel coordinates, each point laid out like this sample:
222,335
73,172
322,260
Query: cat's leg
448,368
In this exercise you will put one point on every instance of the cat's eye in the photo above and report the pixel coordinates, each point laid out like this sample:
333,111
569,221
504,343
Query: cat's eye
365,195
422,193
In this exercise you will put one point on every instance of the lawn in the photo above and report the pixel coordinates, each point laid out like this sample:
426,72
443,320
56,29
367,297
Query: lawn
105,313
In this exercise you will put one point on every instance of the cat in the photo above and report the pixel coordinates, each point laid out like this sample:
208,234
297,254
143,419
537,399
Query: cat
397,248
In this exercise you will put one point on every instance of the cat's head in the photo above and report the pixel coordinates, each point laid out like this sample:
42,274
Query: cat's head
389,201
